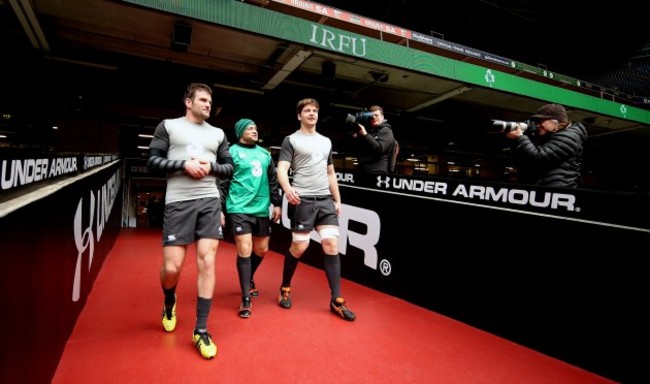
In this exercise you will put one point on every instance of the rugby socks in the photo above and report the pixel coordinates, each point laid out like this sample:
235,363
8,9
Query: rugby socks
255,263
202,312
290,264
170,296
332,265
244,272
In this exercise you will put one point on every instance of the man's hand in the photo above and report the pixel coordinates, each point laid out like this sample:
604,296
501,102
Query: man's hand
276,215
292,196
197,169
515,133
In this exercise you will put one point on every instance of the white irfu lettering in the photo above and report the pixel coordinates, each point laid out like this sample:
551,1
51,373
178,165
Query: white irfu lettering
337,42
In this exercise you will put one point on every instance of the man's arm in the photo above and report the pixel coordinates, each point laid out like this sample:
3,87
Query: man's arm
283,180
274,187
382,143
334,187
224,165
560,146
224,189
223,168
274,192
157,161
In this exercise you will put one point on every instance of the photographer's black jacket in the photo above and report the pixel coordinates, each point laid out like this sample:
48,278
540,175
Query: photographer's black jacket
373,150
554,159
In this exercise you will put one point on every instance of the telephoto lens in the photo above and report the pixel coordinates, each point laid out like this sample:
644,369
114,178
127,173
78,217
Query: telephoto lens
507,126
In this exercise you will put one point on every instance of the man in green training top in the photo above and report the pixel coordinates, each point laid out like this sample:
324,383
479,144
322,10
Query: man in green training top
250,194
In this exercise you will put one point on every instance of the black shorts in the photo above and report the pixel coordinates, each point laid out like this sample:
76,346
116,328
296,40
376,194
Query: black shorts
190,220
242,224
312,212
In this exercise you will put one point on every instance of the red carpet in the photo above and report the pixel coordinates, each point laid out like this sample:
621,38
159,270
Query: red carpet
119,338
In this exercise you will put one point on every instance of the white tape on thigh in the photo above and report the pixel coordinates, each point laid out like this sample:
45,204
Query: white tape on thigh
300,237
329,233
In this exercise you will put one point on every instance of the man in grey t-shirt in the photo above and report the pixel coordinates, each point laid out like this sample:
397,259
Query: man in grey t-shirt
193,154
314,203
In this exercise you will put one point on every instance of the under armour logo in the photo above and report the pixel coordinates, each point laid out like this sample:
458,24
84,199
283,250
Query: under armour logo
383,180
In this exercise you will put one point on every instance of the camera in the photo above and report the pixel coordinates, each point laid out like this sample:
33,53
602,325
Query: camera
528,126
362,117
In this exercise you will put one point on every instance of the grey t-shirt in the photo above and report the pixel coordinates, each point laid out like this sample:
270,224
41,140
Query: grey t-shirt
309,155
183,140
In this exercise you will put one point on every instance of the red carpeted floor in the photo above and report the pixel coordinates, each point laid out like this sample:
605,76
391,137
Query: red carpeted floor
119,338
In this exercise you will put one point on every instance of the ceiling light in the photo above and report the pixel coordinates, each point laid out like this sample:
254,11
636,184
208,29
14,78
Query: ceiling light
431,119
444,96
82,62
287,69
346,106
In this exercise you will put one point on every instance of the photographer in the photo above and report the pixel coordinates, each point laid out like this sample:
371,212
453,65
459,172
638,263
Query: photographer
374,143
553,156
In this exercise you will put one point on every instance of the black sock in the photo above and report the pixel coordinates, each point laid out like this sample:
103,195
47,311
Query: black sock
333,273
170,296
244,273
290,264
255,262
202,312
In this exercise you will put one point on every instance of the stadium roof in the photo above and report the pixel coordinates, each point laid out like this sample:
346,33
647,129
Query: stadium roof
131,60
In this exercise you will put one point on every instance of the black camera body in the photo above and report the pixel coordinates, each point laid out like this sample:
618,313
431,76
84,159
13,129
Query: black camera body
527,127
361,117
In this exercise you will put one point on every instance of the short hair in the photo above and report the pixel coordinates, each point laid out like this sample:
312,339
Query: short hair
302,103
376,108
190,92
